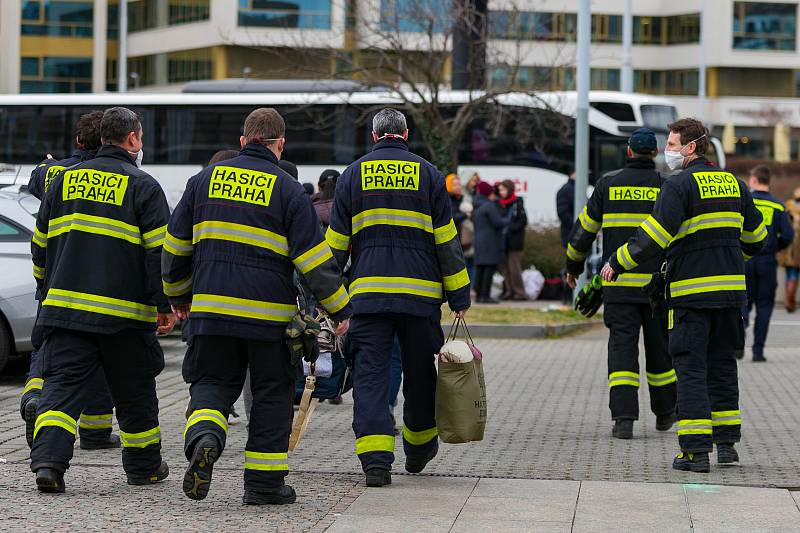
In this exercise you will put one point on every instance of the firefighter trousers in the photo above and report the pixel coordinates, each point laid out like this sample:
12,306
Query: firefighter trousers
130,360
761,273
215,366
624,321
369,344
702,343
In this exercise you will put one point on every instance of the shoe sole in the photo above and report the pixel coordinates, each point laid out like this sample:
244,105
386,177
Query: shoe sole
197,480
690,468
665,427
50,488
728,461
271,500
623,436
374,482
30,422
140,482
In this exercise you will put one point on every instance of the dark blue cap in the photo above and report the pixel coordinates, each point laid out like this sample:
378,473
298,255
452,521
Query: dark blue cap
643,141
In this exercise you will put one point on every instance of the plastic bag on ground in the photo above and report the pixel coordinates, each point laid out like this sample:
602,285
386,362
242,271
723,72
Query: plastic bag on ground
534,283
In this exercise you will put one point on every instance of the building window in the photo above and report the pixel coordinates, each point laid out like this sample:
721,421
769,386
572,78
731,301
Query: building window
605,79
306,14
552,78
172,67
56,75
647,30
149,14
682,29
764,26
415,16
607,28
60,18
674,82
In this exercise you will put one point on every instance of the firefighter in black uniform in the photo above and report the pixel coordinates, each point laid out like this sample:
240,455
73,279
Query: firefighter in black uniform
761,271
621,201
94,426
707,222
241,229
391,217
97,245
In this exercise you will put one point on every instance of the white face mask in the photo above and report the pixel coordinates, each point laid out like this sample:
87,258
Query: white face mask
139,156
674,158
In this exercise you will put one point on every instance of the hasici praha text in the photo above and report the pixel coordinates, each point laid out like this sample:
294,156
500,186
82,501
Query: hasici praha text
241,185
95,186
388,174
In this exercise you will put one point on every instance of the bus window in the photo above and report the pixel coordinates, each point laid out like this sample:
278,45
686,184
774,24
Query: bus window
656,117
610,154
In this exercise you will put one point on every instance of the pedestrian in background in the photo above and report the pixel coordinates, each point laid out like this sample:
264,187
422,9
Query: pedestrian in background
514,288
789,258
490,224
323,204
565,208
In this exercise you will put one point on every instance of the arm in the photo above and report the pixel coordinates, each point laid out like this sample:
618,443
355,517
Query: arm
448,248
564,206
495,216
459,217
520,219
754,231
176,257
39,244
584,231
785,230
314,260
152,213
340,230
36,183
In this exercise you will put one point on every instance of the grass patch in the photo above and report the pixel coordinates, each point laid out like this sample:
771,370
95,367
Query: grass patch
516,315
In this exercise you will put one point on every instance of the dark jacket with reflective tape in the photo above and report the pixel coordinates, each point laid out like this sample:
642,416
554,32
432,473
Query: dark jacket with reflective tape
621,201
391,216
707,222
779,229
234,240
42,175
97,246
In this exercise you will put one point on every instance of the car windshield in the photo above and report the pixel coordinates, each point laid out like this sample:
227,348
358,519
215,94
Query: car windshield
30,204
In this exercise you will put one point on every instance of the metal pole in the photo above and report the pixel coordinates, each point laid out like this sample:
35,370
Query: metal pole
626,81
122,62
582,112
701,74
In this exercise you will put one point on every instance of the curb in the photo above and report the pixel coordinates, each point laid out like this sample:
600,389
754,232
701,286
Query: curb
527,331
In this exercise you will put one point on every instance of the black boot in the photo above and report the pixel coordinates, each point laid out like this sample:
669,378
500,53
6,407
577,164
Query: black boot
692,462
665,422
415,465
759,358
378,476
197,479
30,420
160,474
623,429
277,496
111,442
726,454
50,480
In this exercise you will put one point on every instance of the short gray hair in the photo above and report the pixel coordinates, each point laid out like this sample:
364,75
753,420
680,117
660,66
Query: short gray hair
389,121
117,123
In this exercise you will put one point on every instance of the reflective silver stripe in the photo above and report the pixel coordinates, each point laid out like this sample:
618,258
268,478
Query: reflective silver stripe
179,288
170,240
628,218
365,286
322,252
154,238
656,381
105,422
698,426
726,418
206,413
422,219
210,229
613,380
736,283
282,461
148,315
337,302
691,224
199,301
129,441
94,224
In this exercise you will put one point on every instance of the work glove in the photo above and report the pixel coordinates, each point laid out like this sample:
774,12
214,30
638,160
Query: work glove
590,297
656,291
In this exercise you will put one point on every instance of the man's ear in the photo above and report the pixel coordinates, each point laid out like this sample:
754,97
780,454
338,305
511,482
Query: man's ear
242,141
629,153
374,137
405,135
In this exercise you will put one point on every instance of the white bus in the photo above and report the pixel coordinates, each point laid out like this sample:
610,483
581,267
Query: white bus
522,138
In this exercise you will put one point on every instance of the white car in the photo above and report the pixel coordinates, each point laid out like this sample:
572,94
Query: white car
17,285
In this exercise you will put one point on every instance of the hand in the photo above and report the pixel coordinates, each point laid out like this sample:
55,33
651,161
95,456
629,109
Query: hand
166,321
182,310
571,281
342,328
461,314
608,273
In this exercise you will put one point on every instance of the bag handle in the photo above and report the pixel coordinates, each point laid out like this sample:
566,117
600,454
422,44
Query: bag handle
458,322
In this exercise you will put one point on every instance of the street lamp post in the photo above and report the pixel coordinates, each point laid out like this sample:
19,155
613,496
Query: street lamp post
582,113
122,62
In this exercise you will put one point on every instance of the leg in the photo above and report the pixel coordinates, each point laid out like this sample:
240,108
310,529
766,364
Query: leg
623,322
67,359
515,275
420,339
661,378
767,273
723,382
478,283
29,402
273,380
95,422
792,274
505,272
370,343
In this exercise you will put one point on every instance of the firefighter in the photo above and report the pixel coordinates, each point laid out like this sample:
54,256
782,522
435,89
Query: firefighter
241,228
761,271
622,200
707,222
97,246
391,218
94,426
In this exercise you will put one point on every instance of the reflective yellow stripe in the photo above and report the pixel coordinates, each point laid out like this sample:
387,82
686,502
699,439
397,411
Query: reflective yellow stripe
656,231
659,380
206,415
768,203
629,280
269,462
418,438
241,307
746,257
574,254
726,418
396,285
55,419
588,223
722,219
108,227
33,384
154,238
392,217
701,426
456,281
623,220
95,421
242,234
671,319
176,246
625,259
103,305
336,240
757,235
141,440
375,443
446,233
707,284
39,238
313,258
336,301
623,378
177,288
38,272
